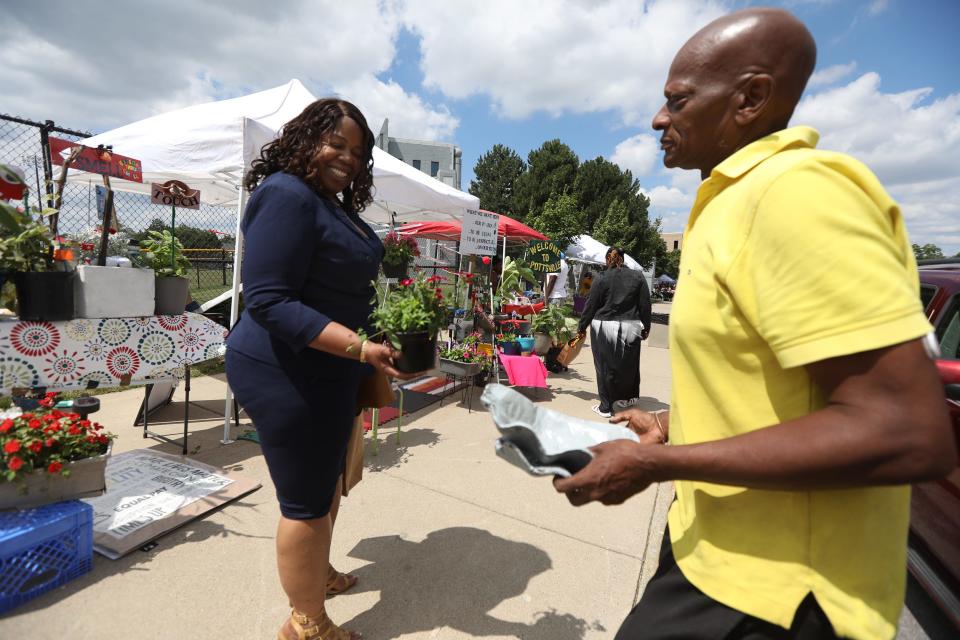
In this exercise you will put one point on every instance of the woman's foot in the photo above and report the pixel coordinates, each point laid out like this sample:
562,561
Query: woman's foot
301,627
338,582
603,414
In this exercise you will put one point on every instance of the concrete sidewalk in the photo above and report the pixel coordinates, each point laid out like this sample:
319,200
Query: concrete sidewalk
449,541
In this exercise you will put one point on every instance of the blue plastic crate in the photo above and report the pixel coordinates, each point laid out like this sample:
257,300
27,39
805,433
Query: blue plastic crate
43,548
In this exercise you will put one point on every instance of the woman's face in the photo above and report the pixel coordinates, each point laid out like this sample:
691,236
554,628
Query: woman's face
340,157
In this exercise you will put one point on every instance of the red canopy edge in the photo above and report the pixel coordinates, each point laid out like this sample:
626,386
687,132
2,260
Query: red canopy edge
450,229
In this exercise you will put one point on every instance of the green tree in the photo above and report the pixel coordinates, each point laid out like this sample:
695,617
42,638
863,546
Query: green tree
551,169
496,174
670,265
609,228
927,252
599,182
560,219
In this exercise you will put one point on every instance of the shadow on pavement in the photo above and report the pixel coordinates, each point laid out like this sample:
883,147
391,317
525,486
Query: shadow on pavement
454,578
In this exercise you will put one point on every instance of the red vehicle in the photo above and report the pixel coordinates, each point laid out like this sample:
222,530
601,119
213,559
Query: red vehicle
934,555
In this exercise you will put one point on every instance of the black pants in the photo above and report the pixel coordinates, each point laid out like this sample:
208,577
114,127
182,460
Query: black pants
671,608
616,357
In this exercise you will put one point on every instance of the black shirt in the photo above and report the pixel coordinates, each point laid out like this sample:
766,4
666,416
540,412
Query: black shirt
618,294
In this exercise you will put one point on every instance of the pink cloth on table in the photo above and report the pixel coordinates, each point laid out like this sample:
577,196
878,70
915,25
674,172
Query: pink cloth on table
525,371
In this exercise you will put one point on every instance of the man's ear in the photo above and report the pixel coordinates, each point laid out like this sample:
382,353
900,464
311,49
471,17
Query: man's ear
754,98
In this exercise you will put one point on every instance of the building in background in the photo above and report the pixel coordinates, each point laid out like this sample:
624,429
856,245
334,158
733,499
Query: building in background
438,159
674,240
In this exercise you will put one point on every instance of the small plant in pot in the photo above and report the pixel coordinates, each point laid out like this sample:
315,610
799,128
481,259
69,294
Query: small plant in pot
398,251
44,283
550,328
163,253
508,344
410,316
465,359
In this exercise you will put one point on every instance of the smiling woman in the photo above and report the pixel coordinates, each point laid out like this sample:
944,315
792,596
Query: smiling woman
307,270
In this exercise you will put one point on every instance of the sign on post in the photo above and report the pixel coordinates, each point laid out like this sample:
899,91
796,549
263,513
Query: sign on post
102,161
174,193
544,256
478,237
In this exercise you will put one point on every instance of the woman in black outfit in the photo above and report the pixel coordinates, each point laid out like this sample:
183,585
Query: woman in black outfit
294,360
618,313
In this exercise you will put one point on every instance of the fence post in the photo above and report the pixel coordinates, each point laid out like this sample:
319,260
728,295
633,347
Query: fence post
47,161
223,264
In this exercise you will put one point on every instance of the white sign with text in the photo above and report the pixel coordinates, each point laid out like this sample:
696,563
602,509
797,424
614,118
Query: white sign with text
478,237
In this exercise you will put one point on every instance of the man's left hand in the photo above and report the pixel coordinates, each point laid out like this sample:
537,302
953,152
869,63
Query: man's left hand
619,470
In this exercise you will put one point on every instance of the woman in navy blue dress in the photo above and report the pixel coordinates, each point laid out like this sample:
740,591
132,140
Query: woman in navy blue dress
294,360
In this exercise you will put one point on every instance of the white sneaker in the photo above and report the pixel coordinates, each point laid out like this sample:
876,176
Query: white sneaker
603,414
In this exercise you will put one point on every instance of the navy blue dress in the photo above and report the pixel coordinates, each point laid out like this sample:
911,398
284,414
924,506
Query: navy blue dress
305,265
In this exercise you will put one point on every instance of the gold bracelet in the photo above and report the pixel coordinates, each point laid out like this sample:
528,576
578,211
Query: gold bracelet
363,352
663,434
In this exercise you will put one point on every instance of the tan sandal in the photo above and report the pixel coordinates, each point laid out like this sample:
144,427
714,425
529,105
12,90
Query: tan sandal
338,582
301,627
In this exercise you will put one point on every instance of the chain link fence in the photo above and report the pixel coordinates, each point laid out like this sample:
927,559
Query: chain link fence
207,233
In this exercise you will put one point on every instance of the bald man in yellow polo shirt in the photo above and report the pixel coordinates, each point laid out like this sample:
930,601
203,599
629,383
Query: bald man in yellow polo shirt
804,401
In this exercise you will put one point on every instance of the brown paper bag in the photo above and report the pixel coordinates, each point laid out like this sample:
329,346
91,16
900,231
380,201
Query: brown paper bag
353,465
570,351
375,392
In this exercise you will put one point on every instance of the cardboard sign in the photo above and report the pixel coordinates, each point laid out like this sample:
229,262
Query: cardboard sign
104,162
544,256
478,236
176,193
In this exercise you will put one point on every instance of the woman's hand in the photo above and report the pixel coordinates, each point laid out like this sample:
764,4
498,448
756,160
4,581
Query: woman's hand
380,357
644,424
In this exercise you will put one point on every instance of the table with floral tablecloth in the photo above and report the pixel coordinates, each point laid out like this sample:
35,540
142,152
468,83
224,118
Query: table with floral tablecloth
104,352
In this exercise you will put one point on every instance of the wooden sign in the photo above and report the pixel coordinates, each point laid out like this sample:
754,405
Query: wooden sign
176,193
102,161
544,256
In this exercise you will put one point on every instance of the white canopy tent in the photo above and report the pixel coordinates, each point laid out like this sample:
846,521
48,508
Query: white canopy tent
588,250
209,146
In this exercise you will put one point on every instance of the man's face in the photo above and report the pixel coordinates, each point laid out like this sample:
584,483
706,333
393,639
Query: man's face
697,119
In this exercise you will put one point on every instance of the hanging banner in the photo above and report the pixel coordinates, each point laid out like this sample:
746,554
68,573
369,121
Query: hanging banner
176,193
478,235
102,161
544,256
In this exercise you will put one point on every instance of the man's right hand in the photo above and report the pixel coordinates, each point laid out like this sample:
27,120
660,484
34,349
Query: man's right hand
642,423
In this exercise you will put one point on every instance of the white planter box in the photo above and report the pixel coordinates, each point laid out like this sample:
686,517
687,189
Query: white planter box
113,292
38,487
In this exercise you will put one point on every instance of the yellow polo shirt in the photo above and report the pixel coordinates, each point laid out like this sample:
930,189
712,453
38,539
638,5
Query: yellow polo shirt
790,256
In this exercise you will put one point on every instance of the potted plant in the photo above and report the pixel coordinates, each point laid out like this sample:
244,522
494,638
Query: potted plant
110,291
464,359
163,252
508,344
410,316
550,328
398,251
27,251
48,455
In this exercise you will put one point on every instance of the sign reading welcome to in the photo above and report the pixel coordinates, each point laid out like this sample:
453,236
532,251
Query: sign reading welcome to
544,256
478,237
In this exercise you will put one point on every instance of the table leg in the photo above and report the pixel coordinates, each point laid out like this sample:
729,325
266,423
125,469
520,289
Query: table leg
146,404
375,424
400,416
186,405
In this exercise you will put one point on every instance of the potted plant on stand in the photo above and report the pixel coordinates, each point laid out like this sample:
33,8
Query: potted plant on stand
411,315
48,455
398,251
163,253
464,360
44,291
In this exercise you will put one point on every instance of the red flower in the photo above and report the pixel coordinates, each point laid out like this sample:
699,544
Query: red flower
103,439
485,259
75,430
6,425
36,446
54,467
91,439
406,282
84,423
47,402
14,463
50,442
12,447
35,424
26,416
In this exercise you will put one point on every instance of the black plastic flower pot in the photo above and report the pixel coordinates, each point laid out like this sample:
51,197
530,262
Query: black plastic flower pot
44,295
171,295
418,352
391,270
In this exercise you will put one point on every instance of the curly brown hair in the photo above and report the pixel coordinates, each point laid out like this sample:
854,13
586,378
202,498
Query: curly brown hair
294,151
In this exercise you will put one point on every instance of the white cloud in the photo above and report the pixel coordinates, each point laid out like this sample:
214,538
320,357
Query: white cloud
830,75
555,56
637,154
878,6
409,116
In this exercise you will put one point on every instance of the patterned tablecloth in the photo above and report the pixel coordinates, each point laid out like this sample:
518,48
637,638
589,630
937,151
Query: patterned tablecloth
104,352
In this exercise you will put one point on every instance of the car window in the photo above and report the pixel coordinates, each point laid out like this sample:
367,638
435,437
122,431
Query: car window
927,291
948,330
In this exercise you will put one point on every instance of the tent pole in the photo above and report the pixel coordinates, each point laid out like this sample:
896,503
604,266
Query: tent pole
234,305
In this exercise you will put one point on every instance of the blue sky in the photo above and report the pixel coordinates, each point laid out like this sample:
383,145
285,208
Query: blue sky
887,87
